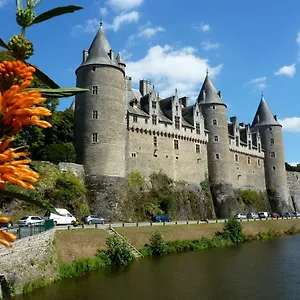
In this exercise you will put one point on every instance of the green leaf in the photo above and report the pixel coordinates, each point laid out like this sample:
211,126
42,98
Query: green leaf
60,93
28,199
43,77
3,45
55,12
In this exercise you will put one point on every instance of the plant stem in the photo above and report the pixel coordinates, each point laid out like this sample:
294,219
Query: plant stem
23,30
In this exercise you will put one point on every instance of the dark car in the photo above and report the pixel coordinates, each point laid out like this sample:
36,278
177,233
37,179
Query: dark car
161,218
275,215
92,219
7,224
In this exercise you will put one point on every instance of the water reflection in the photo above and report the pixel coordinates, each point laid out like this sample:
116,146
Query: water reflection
259,270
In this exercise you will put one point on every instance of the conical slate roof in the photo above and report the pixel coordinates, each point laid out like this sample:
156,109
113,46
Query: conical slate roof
208,93
99,51
120,59
264,115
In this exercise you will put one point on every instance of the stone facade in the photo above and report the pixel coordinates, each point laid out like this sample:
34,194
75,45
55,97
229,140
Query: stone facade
119,130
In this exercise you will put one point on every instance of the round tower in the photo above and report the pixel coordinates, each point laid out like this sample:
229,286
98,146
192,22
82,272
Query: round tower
99,136
214,112
275,174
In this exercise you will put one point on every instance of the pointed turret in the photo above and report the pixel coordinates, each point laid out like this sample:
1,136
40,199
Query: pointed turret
264,115
100,52
208,93
120,61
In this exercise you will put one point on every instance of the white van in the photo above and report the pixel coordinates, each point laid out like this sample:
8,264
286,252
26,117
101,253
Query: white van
263,214
64,217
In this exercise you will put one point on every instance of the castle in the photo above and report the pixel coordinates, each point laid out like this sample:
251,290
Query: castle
119,130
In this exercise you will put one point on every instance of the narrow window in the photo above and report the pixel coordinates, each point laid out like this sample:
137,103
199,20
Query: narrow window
94,69
153,104
95,114
198,128
197,113
177,122
217,156
154,119
249,160
249,145
191,130
214,107
155,141
270,128
236,157
258,162
95,138
259,148
272,154
176,144
166,125
146,121
95,90
133,154
237,141
177,108
216,138
197,148
274,168
272,141
214,122
135,119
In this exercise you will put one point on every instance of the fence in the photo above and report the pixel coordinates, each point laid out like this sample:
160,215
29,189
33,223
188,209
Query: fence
36,228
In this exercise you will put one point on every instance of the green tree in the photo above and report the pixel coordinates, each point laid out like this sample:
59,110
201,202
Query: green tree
118,251
233,231
158,245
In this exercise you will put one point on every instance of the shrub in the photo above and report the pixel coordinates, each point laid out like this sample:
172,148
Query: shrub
118,251
248,197
157,244
233,231
166,203
135,179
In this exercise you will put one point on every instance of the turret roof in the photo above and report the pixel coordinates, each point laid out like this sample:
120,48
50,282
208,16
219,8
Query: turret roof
208,93
120,59
99,52
264,115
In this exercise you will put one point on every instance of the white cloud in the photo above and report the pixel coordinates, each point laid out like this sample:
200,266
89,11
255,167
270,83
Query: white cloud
103,11
259,83
258,80
202,27
131,17
150,31
169,68
210,46
123,5
294,164
290,124
262,85
286,70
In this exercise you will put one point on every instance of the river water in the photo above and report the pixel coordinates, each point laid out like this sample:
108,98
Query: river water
257,270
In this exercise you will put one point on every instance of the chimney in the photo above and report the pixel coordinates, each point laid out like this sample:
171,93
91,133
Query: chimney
128,83
184,101
146,87
233,120
85,55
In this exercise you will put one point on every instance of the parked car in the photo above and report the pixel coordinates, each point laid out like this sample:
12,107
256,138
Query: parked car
296,214
287,215
252,215
275,215
31,220
7,224
240,216
263,214
63,217
92,219
161,218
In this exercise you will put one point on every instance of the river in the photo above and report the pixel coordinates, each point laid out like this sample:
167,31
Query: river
257,270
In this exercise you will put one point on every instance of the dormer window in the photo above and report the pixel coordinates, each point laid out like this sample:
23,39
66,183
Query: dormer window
249,145
198,128
177,122
176,108
154,119
237,141
197,113
153,104
95,90
135,119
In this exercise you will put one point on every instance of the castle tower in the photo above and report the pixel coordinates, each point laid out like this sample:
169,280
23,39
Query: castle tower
271,137
100,114
214,112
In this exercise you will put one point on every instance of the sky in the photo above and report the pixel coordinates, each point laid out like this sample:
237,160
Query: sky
249,48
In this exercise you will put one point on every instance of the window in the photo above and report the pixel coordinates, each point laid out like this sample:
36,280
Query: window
236,157
94,69
166,125
272,141
197,148
146,121
272,154
133,154
237,141
95,90
270,128
155,141
197,113
153,104
177,108
216,138
217,156
154,119
249,160
259,148
214,122
258,162
134,119
274,168
95,114
214,107
176,144
177,122
249,145
198,128
95,138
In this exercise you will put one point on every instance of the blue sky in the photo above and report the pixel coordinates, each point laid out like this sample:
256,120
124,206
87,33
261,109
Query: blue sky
249,47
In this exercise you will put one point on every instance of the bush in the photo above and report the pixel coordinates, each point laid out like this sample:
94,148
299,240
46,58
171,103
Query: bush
57,153
166,203
233,231
158,245
135,179
118,251
248,197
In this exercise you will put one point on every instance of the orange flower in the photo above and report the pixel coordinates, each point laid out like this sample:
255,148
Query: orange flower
14,170
6,238
14,72
19,108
